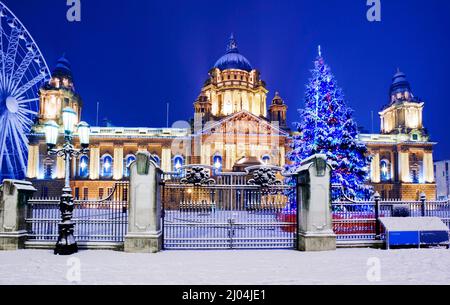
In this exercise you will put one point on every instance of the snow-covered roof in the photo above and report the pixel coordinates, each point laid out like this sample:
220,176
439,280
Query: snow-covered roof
409,224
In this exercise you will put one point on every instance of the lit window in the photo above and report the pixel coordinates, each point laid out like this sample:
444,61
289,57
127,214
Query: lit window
416,168
178,163
217,163
84,167
107,166
50,107
48,168
126,169
385,168
157,159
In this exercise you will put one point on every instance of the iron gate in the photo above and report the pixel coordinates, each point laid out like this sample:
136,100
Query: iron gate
103,220
228,211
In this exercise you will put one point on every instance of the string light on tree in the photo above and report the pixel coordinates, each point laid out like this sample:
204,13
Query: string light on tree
328,128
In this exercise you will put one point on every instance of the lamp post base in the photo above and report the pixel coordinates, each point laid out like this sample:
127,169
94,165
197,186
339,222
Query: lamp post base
66,244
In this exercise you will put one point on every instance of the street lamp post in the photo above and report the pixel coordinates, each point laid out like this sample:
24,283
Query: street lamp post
66,244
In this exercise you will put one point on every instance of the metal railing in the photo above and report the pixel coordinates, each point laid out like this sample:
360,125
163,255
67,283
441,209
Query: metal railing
354,221
104,220
359,220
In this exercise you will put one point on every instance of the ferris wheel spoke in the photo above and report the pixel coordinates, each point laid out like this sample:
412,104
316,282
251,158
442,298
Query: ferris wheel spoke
27,101
3,136
22,151
25,120
1,49
20,72
22,139
27,111
25,114
17,147
19,91
11,54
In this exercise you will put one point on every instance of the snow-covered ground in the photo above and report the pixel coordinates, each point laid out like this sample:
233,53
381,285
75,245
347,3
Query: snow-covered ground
344,266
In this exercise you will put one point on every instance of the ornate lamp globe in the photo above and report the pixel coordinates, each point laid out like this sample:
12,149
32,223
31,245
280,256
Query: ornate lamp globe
69,120
84,131
51,133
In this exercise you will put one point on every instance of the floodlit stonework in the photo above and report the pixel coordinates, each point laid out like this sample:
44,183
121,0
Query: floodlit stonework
402,164
233,126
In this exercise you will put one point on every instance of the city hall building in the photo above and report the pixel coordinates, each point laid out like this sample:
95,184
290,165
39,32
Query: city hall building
234,126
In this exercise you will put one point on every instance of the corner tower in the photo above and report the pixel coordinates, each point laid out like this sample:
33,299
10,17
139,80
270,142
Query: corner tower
58,94
403,115
278,111
402,155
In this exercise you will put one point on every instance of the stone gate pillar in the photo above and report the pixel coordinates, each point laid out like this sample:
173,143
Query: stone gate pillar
315,227
13,211
144,221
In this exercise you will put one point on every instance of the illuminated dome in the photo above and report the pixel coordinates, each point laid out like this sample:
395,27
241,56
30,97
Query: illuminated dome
233,59
400,89
400,83
63,68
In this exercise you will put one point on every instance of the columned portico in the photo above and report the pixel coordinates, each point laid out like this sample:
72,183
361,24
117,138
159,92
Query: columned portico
94,163
118,162
428,167
375,167
33,161
166,158
404,166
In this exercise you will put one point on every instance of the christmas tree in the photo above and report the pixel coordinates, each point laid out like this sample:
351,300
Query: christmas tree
327,127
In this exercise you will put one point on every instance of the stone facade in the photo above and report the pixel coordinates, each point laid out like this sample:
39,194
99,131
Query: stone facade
231,123
402,164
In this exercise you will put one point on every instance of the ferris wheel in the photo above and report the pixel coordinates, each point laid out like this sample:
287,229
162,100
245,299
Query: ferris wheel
23,71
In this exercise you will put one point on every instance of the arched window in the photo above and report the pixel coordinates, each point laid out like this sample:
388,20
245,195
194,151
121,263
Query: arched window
126,166
106,166
385,170
83,167
416,167
157,159
217,163
178,162
49,165
266,159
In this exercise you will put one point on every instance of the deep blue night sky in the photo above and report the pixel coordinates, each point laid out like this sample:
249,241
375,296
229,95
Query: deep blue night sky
134,56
